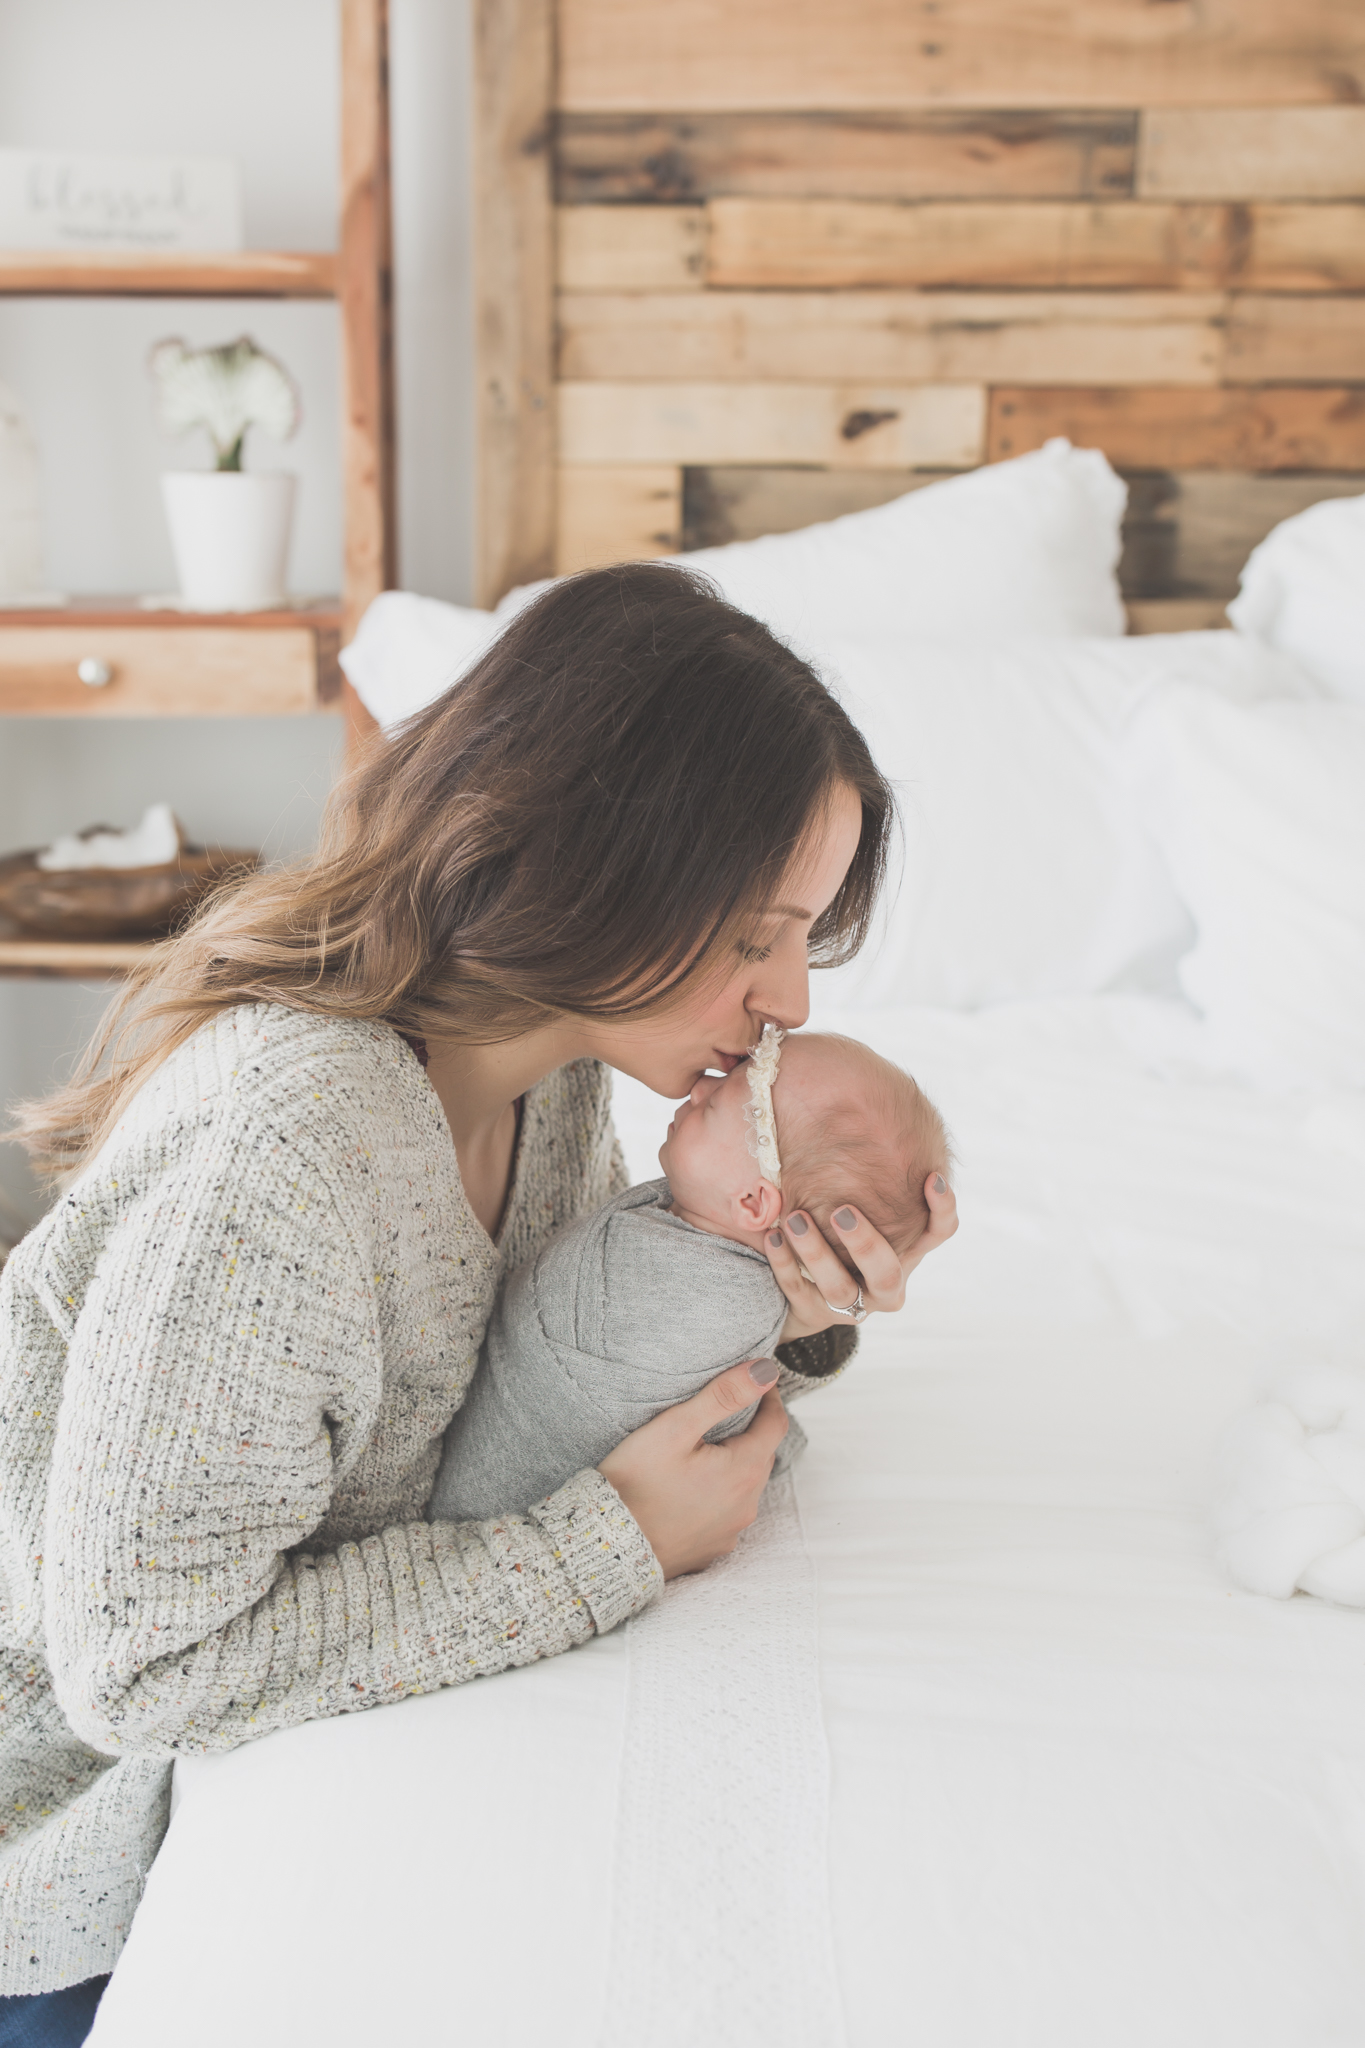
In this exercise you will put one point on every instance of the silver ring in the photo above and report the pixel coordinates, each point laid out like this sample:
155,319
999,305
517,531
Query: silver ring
857,1313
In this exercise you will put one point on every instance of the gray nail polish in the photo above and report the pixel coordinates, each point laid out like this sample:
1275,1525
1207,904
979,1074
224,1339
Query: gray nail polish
939,1183
763,1371
775,1239
845,1218
797,1225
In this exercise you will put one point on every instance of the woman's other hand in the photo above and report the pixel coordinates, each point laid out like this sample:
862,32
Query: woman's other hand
693,1500
799,1243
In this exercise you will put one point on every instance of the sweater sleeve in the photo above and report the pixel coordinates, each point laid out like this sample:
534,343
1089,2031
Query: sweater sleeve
811,1362
220,1377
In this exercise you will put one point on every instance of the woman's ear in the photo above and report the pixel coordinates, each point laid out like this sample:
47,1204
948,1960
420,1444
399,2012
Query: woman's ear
760,1206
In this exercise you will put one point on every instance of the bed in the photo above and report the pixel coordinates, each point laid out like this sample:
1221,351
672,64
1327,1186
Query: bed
1071,1785
983,1738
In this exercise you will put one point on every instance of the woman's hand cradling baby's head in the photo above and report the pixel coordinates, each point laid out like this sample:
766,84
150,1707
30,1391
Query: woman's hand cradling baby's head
884,1272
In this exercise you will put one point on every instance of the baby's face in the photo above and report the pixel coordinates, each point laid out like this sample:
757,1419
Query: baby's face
711,1171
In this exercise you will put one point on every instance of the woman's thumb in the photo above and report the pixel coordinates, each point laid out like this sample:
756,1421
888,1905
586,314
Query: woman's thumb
726,1395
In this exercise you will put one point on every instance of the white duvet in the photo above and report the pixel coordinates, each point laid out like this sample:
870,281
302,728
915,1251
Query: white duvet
1044,1778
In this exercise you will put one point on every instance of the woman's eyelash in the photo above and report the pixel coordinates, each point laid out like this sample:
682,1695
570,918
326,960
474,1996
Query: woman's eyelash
753,954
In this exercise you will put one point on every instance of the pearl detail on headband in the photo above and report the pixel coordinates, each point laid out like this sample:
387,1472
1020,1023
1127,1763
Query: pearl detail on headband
758,1111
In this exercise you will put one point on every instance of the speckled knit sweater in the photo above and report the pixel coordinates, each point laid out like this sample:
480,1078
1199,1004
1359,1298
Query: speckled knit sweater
226,1360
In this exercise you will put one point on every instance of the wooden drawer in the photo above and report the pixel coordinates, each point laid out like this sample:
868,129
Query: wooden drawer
163,671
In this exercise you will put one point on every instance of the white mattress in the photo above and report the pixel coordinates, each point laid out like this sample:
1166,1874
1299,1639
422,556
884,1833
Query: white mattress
1074,1790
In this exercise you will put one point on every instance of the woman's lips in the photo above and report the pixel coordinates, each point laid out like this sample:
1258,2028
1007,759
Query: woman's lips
728,1061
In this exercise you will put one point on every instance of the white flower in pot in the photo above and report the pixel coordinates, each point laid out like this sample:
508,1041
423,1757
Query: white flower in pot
229,526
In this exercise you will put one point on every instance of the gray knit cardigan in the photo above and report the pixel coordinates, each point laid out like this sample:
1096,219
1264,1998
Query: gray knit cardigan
226,1360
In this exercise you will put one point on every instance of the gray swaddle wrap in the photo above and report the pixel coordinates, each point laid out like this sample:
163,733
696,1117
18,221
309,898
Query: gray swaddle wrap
626,1312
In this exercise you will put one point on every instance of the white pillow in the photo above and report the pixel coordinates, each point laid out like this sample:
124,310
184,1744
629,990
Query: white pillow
1027,870
408,649
1303,591
1022,548
1260,813
1027,548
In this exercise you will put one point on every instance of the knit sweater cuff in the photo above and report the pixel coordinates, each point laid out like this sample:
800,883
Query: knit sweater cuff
810,1362
601,1548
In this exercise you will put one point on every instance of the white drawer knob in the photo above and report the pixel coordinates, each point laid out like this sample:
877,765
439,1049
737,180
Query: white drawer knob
95,672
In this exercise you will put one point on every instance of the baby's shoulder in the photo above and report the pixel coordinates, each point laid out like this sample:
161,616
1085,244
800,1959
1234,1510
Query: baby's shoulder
665,1284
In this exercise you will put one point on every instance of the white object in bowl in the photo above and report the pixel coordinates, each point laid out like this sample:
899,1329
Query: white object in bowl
230,536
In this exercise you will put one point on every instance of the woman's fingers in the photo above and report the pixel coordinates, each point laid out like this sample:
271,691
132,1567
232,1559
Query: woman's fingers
883,1279
810,1310
883,1284
726,1395
765,1433
942,1220
800,1244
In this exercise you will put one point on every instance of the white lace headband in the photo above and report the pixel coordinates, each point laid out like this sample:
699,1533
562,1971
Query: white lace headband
758,1111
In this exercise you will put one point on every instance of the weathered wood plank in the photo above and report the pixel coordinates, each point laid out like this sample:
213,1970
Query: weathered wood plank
929,337
1247,153
1186,535
724,502
842,244
1303,248
1175,615
632,248
826,245
1293,341
1277,427
940,154
617,514
629,55
514,264
848,426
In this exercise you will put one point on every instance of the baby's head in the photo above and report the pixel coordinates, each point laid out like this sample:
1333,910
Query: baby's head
850,1128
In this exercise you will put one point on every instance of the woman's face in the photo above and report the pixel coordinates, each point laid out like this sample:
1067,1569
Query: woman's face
769,983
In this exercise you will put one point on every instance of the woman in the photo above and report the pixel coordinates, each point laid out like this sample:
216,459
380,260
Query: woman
321,1123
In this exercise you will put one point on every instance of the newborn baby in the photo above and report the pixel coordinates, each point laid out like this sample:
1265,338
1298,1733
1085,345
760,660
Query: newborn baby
640,1304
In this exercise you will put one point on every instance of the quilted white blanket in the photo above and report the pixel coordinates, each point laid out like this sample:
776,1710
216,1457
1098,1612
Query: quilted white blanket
1010,1764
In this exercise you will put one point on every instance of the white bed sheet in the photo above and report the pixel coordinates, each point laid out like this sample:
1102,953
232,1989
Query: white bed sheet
1083,1793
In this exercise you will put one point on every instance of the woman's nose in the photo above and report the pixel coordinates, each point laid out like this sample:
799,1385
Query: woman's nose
784,997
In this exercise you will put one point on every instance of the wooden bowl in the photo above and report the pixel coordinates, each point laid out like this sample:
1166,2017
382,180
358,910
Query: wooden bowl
112,903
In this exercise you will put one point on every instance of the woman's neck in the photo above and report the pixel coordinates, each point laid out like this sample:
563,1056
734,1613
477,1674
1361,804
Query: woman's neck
478,1087
477,1084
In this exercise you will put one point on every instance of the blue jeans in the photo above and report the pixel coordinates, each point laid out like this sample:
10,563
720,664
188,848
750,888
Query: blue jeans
51,2019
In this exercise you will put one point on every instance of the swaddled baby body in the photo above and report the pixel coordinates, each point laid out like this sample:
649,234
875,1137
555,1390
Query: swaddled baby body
640,1304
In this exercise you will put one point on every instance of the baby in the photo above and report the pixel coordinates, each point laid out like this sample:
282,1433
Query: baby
638,1305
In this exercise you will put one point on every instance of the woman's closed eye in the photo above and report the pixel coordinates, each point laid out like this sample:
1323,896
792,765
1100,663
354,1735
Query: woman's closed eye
753,955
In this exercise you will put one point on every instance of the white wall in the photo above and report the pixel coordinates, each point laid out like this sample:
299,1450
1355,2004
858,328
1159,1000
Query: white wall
259,81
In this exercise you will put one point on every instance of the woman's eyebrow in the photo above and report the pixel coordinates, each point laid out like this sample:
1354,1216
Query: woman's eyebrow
790,910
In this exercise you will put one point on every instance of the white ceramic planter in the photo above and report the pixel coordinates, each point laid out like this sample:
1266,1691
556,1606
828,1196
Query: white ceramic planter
230,536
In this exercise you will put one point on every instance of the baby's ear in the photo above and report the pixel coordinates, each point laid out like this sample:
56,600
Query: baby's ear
760,1206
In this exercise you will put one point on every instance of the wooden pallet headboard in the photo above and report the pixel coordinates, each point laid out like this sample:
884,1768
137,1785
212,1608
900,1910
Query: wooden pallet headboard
744,264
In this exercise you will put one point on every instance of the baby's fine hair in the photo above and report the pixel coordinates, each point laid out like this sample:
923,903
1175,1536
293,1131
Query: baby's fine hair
870,1135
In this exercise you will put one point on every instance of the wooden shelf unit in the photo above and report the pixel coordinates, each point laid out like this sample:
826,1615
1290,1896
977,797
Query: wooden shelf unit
170,663
244,274
32,959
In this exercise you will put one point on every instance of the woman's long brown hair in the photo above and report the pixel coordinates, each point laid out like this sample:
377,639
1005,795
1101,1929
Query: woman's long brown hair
583,823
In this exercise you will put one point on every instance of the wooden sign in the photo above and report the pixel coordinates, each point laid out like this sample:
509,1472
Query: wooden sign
50,199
